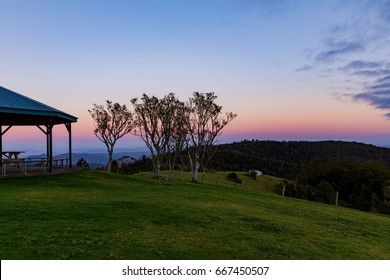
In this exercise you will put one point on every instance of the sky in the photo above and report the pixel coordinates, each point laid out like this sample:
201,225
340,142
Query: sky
291,70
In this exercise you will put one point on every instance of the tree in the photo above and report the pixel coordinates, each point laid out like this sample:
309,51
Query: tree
204,126
325,192
82,163
112,122
355,181
155,120
178,136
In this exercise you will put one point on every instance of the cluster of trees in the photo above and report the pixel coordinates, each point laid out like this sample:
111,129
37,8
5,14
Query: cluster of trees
362,185
168,127
128,165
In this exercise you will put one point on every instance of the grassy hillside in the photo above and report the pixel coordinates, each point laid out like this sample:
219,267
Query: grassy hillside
96,215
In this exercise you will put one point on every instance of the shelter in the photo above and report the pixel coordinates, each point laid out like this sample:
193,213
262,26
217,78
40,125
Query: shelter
257,172
19,110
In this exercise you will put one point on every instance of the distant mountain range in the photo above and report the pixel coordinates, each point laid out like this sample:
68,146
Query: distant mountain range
98,159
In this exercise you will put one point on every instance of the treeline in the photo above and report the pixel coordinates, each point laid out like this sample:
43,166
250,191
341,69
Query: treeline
360,185
358,173
282,159
287,158
128,166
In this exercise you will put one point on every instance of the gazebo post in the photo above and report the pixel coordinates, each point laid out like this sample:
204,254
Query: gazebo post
47,143
50,134
69,128
1,145
1,140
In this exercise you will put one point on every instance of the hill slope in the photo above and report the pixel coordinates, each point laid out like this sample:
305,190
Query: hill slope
92,214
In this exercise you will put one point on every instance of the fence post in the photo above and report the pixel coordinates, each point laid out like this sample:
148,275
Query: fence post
284,190
337,198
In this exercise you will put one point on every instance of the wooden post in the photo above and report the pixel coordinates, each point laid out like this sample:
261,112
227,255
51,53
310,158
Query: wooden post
1,140
337,198
1,146
48,130
284,190
70,146
47,143
50,134
69,128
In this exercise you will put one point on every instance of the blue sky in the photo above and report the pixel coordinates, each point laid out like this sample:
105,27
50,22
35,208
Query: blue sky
306,70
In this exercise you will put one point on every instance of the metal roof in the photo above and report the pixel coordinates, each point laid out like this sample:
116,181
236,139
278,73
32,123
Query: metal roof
17,109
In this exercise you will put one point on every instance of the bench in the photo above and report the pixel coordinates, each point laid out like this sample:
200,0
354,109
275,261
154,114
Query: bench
57,161
6,162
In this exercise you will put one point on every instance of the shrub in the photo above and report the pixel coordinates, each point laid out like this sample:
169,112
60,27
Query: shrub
234,178
252,174
325,192
379,205
82,163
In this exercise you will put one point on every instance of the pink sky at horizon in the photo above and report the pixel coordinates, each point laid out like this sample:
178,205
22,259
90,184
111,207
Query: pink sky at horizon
268,126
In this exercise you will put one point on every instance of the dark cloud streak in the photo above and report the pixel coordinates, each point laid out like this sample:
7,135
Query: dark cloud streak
372,73
304,68
381,86
377,94
361,64
338,49
368,73
380,102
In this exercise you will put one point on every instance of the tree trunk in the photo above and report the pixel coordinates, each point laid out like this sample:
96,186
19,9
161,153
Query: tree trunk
156,167
171,163
110,152
203,174
171,167
195,167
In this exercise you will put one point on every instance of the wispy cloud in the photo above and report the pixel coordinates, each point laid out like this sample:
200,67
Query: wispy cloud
367,69
338,49
380,101
377,94
367,73
305,67
357,49
385,87
361,64
384,79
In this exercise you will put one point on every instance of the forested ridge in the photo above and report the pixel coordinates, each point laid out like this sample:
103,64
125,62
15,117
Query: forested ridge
351,174
357,172
287,158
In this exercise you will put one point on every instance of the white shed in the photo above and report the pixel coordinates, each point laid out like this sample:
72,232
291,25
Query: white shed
258,172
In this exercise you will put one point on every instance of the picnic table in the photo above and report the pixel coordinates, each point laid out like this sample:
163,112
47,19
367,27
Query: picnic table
12,154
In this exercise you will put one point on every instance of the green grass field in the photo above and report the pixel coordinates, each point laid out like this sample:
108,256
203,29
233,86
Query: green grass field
91,214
